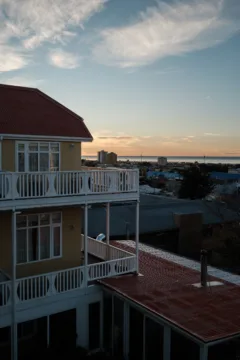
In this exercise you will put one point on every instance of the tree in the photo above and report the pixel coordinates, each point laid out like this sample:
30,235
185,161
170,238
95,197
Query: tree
195,184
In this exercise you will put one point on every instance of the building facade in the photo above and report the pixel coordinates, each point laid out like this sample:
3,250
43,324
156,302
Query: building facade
162,161
111,158
102,157
48,265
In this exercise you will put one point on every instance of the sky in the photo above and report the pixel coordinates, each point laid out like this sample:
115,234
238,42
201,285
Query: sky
148,77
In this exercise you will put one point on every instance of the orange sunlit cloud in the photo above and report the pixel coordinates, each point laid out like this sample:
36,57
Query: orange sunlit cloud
208,144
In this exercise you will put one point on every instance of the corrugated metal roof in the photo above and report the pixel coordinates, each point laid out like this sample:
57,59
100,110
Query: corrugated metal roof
166,289
156,214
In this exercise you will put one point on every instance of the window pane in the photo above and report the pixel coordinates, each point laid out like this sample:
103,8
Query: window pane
56,240
21,246
56,218
21,162
44,162
33,147
44,219
45,242
33,244
54,162
44,147
21,221
21,147
33,162
54,147
33,220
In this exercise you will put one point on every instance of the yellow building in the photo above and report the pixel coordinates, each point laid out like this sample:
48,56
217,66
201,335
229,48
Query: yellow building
46,265
111,158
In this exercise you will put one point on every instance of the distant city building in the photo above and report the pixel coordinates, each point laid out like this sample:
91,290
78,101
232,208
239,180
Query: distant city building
102,157
162,161
111,158
105,157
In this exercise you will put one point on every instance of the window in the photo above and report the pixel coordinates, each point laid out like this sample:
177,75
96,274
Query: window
39,237
38,156
27,329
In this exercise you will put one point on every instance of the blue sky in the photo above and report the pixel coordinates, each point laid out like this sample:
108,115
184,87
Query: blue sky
150,77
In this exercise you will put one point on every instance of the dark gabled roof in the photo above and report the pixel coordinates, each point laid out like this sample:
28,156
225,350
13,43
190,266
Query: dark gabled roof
28,111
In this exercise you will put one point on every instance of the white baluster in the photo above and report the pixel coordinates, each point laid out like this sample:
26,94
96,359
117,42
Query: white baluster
51,181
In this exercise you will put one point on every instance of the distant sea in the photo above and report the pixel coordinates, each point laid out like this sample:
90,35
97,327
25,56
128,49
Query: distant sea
179,159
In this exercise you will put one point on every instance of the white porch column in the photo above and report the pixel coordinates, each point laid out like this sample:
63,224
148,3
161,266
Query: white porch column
85,243
126,330
203,352
107,223
82,325
48,331
137,237
14,335
166,342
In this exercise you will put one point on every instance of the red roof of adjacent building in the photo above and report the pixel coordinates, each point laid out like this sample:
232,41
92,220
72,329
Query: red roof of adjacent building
166,289
28,111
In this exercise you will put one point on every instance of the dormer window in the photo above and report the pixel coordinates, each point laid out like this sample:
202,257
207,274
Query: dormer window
38,156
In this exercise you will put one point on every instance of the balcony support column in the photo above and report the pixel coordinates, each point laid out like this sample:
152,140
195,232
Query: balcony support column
86,243
14,335
137,237
107,223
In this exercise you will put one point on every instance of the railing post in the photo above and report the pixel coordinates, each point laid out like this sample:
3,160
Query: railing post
137,237
86,244
14,335
107,223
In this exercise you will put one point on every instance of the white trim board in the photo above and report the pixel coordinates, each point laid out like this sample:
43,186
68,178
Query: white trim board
44,138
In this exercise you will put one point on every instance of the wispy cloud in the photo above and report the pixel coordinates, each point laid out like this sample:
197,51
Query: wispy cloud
170,70
165,30
211,134
29,23
63,59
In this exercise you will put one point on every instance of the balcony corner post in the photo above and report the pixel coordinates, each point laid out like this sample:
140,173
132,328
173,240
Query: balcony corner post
137,237
14,335
86,245
107,223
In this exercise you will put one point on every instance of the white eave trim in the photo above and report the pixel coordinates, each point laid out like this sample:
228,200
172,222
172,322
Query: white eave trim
44,138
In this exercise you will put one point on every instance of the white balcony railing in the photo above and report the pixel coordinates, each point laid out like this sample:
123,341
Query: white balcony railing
67,183
103,251
54,283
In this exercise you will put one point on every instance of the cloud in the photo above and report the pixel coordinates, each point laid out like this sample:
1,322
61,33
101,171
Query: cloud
211,134
23,81
115,137
63,59
27,24
11,59
165,30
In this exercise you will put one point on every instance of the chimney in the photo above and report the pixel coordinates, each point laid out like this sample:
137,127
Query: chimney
204,268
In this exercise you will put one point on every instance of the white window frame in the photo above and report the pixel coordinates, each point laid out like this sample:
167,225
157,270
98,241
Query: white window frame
51,225
26,154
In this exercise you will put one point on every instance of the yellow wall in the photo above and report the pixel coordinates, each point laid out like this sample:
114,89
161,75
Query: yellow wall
71,245
70,156
8,155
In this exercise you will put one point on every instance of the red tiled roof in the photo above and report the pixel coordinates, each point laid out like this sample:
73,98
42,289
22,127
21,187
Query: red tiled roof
166,289
28,111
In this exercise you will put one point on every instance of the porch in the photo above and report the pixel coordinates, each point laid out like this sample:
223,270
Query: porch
105,261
